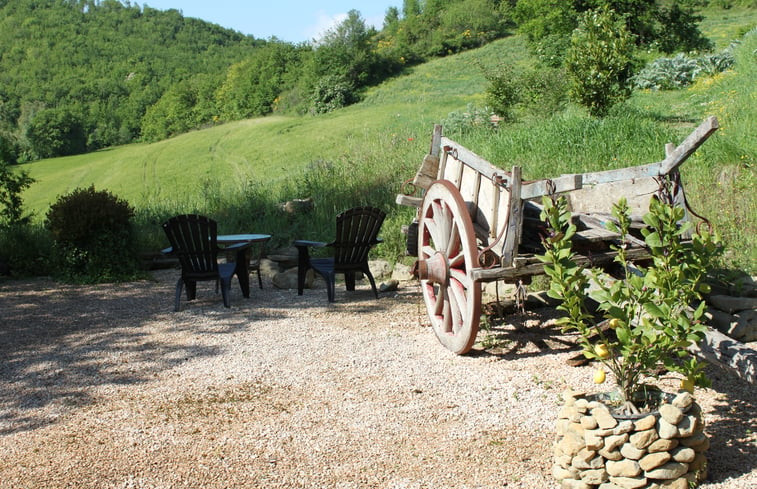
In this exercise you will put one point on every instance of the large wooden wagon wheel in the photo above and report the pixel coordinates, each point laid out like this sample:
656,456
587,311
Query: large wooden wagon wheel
446,255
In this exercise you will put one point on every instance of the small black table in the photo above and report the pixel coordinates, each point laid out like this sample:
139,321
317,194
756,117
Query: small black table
242,259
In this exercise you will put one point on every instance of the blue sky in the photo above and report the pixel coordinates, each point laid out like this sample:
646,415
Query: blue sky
289,20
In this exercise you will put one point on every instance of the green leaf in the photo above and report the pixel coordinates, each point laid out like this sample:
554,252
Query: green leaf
653,310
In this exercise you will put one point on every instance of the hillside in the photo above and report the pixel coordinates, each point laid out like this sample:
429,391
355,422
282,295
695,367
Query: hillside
380,142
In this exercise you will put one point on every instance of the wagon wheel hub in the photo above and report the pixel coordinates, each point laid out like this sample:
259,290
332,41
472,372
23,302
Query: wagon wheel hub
435,269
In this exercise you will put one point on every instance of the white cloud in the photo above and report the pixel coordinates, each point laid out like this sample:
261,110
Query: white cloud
323,25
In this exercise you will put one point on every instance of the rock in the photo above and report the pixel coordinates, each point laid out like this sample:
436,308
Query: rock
623,468
560,473
574,484
687,426
732,304
593,440
695,441
608,485
571,444
587,459
683,454
662,445
699,463
288,279
496,290
625,426
645,423
680,483
285,257
402,272
389,286
642,439
667,430
671,414
380,268
722,321
654,460
631,452
613,455
671,470
629,482
604,418
570,413
683,401
744,328
588,422
615,441
595,476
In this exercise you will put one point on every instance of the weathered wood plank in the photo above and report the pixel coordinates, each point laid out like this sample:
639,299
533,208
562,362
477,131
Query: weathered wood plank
409,201
539,188
689,145
531,266
473,160
514,220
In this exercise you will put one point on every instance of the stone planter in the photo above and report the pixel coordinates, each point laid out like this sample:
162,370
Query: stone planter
661,449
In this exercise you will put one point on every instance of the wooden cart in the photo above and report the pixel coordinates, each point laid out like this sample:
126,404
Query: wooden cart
477,223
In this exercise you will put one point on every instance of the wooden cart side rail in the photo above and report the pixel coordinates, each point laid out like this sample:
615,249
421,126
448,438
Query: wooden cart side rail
530,266
566,183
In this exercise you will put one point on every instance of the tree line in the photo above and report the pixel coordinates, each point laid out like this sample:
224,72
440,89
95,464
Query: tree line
80,75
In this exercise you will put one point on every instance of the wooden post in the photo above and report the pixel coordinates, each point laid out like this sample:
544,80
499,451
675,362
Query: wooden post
514,220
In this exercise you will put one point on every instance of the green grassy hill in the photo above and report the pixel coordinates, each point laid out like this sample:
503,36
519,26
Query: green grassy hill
367,150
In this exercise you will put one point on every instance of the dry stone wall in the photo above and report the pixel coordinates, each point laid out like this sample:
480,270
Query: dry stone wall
597,450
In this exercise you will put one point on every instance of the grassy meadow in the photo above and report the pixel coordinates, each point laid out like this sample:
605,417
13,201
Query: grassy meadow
239,173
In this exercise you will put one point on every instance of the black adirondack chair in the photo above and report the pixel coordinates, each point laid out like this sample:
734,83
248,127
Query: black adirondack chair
356,234
193,242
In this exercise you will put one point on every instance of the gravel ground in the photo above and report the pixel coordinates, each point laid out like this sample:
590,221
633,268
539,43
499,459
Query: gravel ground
106,387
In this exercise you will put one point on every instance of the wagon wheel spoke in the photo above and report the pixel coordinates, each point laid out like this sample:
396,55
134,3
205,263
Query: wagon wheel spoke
447,248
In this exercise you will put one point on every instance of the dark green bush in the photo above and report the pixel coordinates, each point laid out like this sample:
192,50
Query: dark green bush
93,237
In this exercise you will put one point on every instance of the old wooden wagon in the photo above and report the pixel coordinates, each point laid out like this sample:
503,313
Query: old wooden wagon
478,223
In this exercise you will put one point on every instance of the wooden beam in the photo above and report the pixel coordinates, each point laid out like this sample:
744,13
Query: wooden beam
564,183
689,145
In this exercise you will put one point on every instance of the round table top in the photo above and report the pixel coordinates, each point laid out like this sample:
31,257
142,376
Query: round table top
242,238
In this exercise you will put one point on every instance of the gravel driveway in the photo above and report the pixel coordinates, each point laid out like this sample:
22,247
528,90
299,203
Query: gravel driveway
106,387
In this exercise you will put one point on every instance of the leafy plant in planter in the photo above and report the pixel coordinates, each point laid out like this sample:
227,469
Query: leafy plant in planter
654,312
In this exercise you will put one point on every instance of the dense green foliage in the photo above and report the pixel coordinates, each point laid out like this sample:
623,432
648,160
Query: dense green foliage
12,185
79,75
600,61
647,310
92,234
666,26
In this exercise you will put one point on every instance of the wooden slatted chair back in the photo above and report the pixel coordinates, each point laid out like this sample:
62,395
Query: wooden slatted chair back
356,233
194,242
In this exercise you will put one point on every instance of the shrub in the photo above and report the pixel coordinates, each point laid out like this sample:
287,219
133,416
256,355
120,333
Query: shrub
600,61
502,91
680,71
331,93
93,237
655,312
471,119
12,185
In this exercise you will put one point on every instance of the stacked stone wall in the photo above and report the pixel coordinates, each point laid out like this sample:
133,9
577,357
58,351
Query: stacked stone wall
597,450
